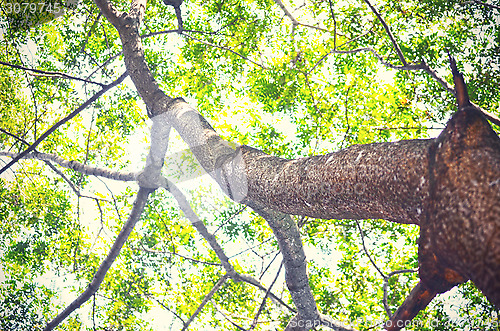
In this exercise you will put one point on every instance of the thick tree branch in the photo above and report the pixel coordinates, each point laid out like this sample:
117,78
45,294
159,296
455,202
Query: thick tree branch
127,25
391,181
349,184
287,233
210,238
122,237
113,15
64,120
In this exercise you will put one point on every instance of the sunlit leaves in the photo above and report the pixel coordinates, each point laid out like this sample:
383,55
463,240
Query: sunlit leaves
260,80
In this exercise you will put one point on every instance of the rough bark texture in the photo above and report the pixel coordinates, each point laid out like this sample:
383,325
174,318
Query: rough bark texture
450,186
382,180
287,233
460,235
418,299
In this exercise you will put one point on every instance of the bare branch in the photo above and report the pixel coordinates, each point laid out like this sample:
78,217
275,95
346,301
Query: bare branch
179,255
420,66
210,238
374,52
105,63
434,75
199,225
294,20
389,33
334,24
287,13
157,33
122,237
109,11
492,118
263,303
51,74
63,176
165,306
288,235
381,128
256,283
51,166
207,298
64,120
366,251
227,318
77,166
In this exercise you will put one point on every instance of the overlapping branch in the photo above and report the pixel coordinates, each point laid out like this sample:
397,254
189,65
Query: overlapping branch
135,214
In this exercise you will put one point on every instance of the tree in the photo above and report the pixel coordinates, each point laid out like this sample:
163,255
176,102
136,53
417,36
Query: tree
249,67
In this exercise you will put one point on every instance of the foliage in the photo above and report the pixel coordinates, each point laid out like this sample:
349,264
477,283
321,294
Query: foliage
289,90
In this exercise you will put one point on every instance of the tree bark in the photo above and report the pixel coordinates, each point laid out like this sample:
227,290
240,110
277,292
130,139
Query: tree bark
450,186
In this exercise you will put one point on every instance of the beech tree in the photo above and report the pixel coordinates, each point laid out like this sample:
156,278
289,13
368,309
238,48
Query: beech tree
250,165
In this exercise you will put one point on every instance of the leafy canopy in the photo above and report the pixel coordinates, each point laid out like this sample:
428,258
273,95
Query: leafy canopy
291,89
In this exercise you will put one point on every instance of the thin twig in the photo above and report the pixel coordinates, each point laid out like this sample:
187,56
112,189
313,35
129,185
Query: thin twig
346,116
53,74
47,162
63,176
382,128
389,33
227,318
482,4
294,20
366,251
334,24
374,52
64,120
224,48
199,225
157,33
179,255
105,63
